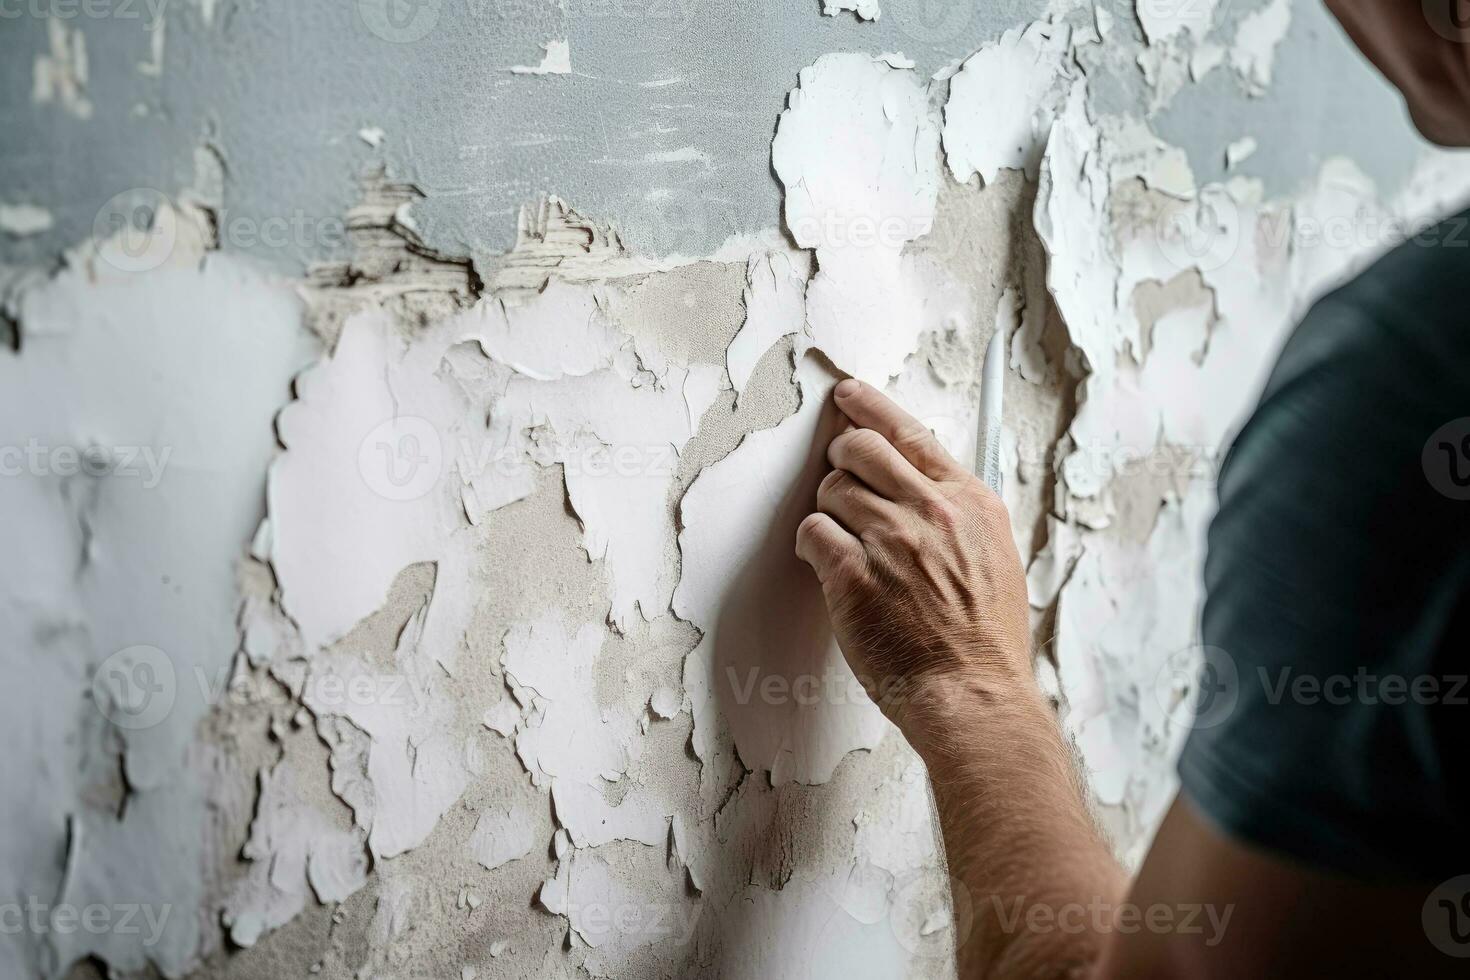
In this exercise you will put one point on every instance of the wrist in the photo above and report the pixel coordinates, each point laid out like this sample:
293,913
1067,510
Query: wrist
940,712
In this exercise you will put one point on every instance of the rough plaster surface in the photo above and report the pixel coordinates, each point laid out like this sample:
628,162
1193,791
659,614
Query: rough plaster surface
431,612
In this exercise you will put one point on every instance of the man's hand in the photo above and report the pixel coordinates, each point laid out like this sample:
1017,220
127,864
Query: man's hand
928,601
917,563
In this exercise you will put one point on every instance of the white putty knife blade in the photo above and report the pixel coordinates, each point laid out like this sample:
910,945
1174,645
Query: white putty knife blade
992,391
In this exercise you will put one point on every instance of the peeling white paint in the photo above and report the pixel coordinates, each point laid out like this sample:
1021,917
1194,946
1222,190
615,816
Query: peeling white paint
20,220
1002,100
1253,52
60,75
863,9
856,151
528,545
557,60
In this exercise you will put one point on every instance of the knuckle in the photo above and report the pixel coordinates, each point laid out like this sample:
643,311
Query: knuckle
845,572
829,485
914,436
901,535
939,511
865,443
986,501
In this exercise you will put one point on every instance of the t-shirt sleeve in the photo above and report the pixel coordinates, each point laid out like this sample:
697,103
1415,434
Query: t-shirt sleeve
1330,594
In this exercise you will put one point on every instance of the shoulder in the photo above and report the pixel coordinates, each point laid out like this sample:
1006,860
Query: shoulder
1373,370
1404,313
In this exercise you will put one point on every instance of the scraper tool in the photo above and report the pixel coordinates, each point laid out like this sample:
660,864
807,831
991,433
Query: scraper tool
992,389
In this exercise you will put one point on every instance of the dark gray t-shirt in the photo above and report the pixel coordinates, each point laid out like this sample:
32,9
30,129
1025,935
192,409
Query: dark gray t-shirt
1338,585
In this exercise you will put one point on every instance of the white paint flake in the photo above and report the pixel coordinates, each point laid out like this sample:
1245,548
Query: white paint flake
1002,100
1253,53
501,836
557,60
856,151
1239,151
60,74
20,220
572,737
417,764
775,307
864,9
292,845
363,489
591,821
768,664
1164,20
1205,59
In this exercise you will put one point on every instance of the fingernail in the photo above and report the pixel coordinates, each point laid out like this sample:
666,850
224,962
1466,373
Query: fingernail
848,387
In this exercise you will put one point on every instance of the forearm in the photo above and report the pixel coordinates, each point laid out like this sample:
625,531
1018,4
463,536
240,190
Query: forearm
1024,855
